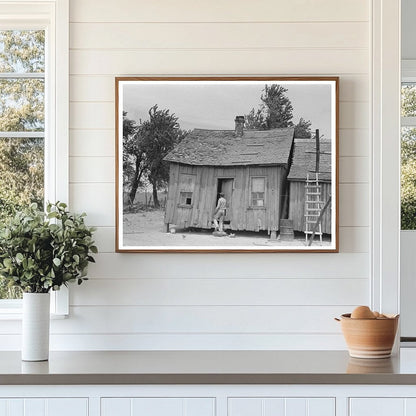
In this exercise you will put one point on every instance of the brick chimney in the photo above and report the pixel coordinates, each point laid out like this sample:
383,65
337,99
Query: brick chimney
239,126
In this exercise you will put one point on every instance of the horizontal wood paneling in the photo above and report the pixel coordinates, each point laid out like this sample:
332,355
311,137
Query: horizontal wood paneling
354,239
218,35
354,142
105,239
200,319
96,199
194,320
146,342
221,291
86,169
219,62
92,88
354,169
94,143
354,208
354,115
92,115
218,11
354,265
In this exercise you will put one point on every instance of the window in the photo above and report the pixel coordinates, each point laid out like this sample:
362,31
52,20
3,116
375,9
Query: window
408,156
33,112
22,124
187,186
186,198
258,186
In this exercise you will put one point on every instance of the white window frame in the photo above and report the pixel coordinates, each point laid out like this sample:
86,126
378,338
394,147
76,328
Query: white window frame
53,17
385,151
408,237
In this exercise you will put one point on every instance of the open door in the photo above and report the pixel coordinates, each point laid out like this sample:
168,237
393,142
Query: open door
226,187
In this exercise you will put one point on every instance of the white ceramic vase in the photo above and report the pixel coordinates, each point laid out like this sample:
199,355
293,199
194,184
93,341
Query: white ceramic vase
35,326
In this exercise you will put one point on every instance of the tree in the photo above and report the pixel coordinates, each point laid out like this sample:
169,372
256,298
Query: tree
21,109
22,100
255,120
22,51
21,174
279,107
134,161
408,195
276,110
408,145
303,129
408,102
158,136
408,161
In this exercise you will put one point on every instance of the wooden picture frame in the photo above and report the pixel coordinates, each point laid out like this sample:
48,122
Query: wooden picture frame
227,164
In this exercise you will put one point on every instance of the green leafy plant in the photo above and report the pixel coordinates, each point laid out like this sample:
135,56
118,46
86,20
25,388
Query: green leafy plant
43,251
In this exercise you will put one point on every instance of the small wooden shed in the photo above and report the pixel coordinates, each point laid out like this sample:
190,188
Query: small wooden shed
249,167
304,162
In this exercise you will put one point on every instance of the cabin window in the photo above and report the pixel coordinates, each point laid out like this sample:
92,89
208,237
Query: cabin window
258,187
186,198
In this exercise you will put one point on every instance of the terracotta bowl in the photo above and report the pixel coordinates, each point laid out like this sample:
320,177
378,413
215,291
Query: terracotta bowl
369,366
369,338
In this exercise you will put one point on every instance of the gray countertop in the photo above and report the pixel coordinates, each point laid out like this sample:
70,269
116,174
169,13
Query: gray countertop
207,367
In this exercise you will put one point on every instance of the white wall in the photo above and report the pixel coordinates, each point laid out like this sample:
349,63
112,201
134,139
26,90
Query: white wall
214,301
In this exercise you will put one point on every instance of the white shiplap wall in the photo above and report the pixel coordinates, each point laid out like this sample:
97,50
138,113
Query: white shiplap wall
218,301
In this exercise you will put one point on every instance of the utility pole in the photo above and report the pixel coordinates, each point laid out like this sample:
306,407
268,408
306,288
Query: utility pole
318,150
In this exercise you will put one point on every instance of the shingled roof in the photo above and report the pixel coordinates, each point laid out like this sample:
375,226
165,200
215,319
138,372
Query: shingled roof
223,148
304,160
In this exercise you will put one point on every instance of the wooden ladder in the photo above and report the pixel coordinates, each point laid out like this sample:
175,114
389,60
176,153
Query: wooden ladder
313,207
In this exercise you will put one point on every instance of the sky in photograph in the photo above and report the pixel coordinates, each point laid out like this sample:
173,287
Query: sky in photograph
214,105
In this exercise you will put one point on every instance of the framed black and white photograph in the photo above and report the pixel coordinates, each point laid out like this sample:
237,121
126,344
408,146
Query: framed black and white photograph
227,164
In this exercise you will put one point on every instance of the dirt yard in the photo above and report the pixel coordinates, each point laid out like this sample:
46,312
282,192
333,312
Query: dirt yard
148,229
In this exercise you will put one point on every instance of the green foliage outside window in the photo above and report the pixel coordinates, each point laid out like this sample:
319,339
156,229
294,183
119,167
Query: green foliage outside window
408,160
21,110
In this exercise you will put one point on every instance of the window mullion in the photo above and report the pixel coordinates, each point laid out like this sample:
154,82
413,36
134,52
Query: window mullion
408,121
22,75
22,134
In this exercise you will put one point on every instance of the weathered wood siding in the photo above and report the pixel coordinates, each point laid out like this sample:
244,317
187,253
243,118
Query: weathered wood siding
297,206
243,217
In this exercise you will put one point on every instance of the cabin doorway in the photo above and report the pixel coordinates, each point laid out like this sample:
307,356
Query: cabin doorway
226,185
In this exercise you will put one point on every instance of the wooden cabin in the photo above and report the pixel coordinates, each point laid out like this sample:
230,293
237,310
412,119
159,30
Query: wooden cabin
304,162
250,167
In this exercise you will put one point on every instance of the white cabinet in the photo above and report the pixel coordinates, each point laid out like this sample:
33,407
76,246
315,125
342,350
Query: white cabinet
44,407
270,406
382,406
208,400
160,406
